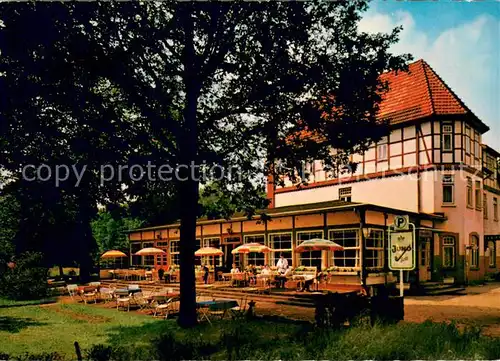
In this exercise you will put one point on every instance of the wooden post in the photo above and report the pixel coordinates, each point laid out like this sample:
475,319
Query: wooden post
78,351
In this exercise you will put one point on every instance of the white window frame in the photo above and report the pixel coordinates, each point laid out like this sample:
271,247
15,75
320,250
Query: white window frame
449,243
214,242
477,191
308,258
495,209
345,194
174,252
258,259
493,253
470,200
467,139
447,133
382,150
448,182
276,251
357,248
485,206
474,253
378,259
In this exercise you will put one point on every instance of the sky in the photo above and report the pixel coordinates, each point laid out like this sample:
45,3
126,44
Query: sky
460,40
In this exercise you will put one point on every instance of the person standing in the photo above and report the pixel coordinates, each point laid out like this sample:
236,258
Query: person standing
205,274
282,267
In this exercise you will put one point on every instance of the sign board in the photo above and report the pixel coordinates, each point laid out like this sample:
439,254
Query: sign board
402,253
401,223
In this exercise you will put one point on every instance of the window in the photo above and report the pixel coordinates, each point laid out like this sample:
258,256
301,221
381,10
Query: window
448,251
345,194
447,138
477,191
161,259
382,149
493,253
469,192
425,253
474,254
477,144
281,243
210,242
467,139
485,206
135,247
495,209
374,257
312,258
448,189
148,260
254,258
349,239
174,252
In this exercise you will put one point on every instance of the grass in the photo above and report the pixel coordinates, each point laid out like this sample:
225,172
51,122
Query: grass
54,328
54,271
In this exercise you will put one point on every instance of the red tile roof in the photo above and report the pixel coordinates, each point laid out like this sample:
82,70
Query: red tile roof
420,93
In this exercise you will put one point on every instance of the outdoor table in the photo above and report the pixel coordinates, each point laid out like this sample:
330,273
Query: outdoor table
126,291
216,305
302,279
87,289
163,297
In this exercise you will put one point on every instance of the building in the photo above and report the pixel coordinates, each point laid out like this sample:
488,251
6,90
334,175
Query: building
431,166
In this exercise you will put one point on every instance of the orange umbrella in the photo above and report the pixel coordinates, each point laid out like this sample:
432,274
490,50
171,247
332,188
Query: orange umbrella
318,244
150,251
209,251
113,254
251,248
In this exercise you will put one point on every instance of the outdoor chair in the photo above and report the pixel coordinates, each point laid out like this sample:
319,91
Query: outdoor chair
239,311
89,296
140,301
133,287
72,290
107,294
123,302
166,307
96,284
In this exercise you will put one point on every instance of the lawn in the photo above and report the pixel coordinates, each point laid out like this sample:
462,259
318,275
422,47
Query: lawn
125,336
55,327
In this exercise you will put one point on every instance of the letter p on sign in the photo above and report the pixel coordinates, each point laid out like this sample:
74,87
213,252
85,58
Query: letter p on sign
401,222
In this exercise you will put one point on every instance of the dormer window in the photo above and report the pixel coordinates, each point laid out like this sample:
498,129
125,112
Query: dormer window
345,194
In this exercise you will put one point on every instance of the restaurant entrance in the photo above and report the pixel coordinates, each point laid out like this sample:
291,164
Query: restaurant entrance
228,259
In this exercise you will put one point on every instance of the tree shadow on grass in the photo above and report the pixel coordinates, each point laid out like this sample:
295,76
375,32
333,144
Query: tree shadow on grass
44,301
16,324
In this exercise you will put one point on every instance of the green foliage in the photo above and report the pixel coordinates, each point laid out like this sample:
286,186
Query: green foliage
27,280
9,223
108,230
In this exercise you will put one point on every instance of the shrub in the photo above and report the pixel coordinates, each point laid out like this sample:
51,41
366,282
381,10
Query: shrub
99,353
27,280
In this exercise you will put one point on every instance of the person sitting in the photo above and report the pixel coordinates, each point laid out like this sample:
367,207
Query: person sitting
235,269
252,274
266,270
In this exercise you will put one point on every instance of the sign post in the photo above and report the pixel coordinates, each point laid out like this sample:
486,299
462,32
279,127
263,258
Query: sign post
402,254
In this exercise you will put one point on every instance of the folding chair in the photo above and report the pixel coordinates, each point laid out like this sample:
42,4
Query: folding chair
140,301
239,311
72,290
96,284
123,302
107,294
166,307
89,296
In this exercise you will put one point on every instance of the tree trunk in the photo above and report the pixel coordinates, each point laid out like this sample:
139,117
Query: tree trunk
61,271
188,182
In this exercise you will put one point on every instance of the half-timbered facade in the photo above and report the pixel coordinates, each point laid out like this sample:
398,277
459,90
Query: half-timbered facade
432,165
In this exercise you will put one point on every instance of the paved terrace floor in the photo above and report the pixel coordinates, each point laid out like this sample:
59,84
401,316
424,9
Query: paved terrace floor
479,306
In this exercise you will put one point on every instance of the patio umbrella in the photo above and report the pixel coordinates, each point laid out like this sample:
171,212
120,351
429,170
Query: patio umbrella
113,254
209,251
318,244
150,251
251,248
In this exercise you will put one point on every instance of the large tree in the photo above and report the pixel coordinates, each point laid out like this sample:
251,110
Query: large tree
231,84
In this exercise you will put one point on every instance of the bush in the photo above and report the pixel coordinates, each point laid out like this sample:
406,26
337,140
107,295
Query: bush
27,280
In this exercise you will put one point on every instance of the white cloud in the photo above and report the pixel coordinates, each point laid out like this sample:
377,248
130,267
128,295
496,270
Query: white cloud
467,57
